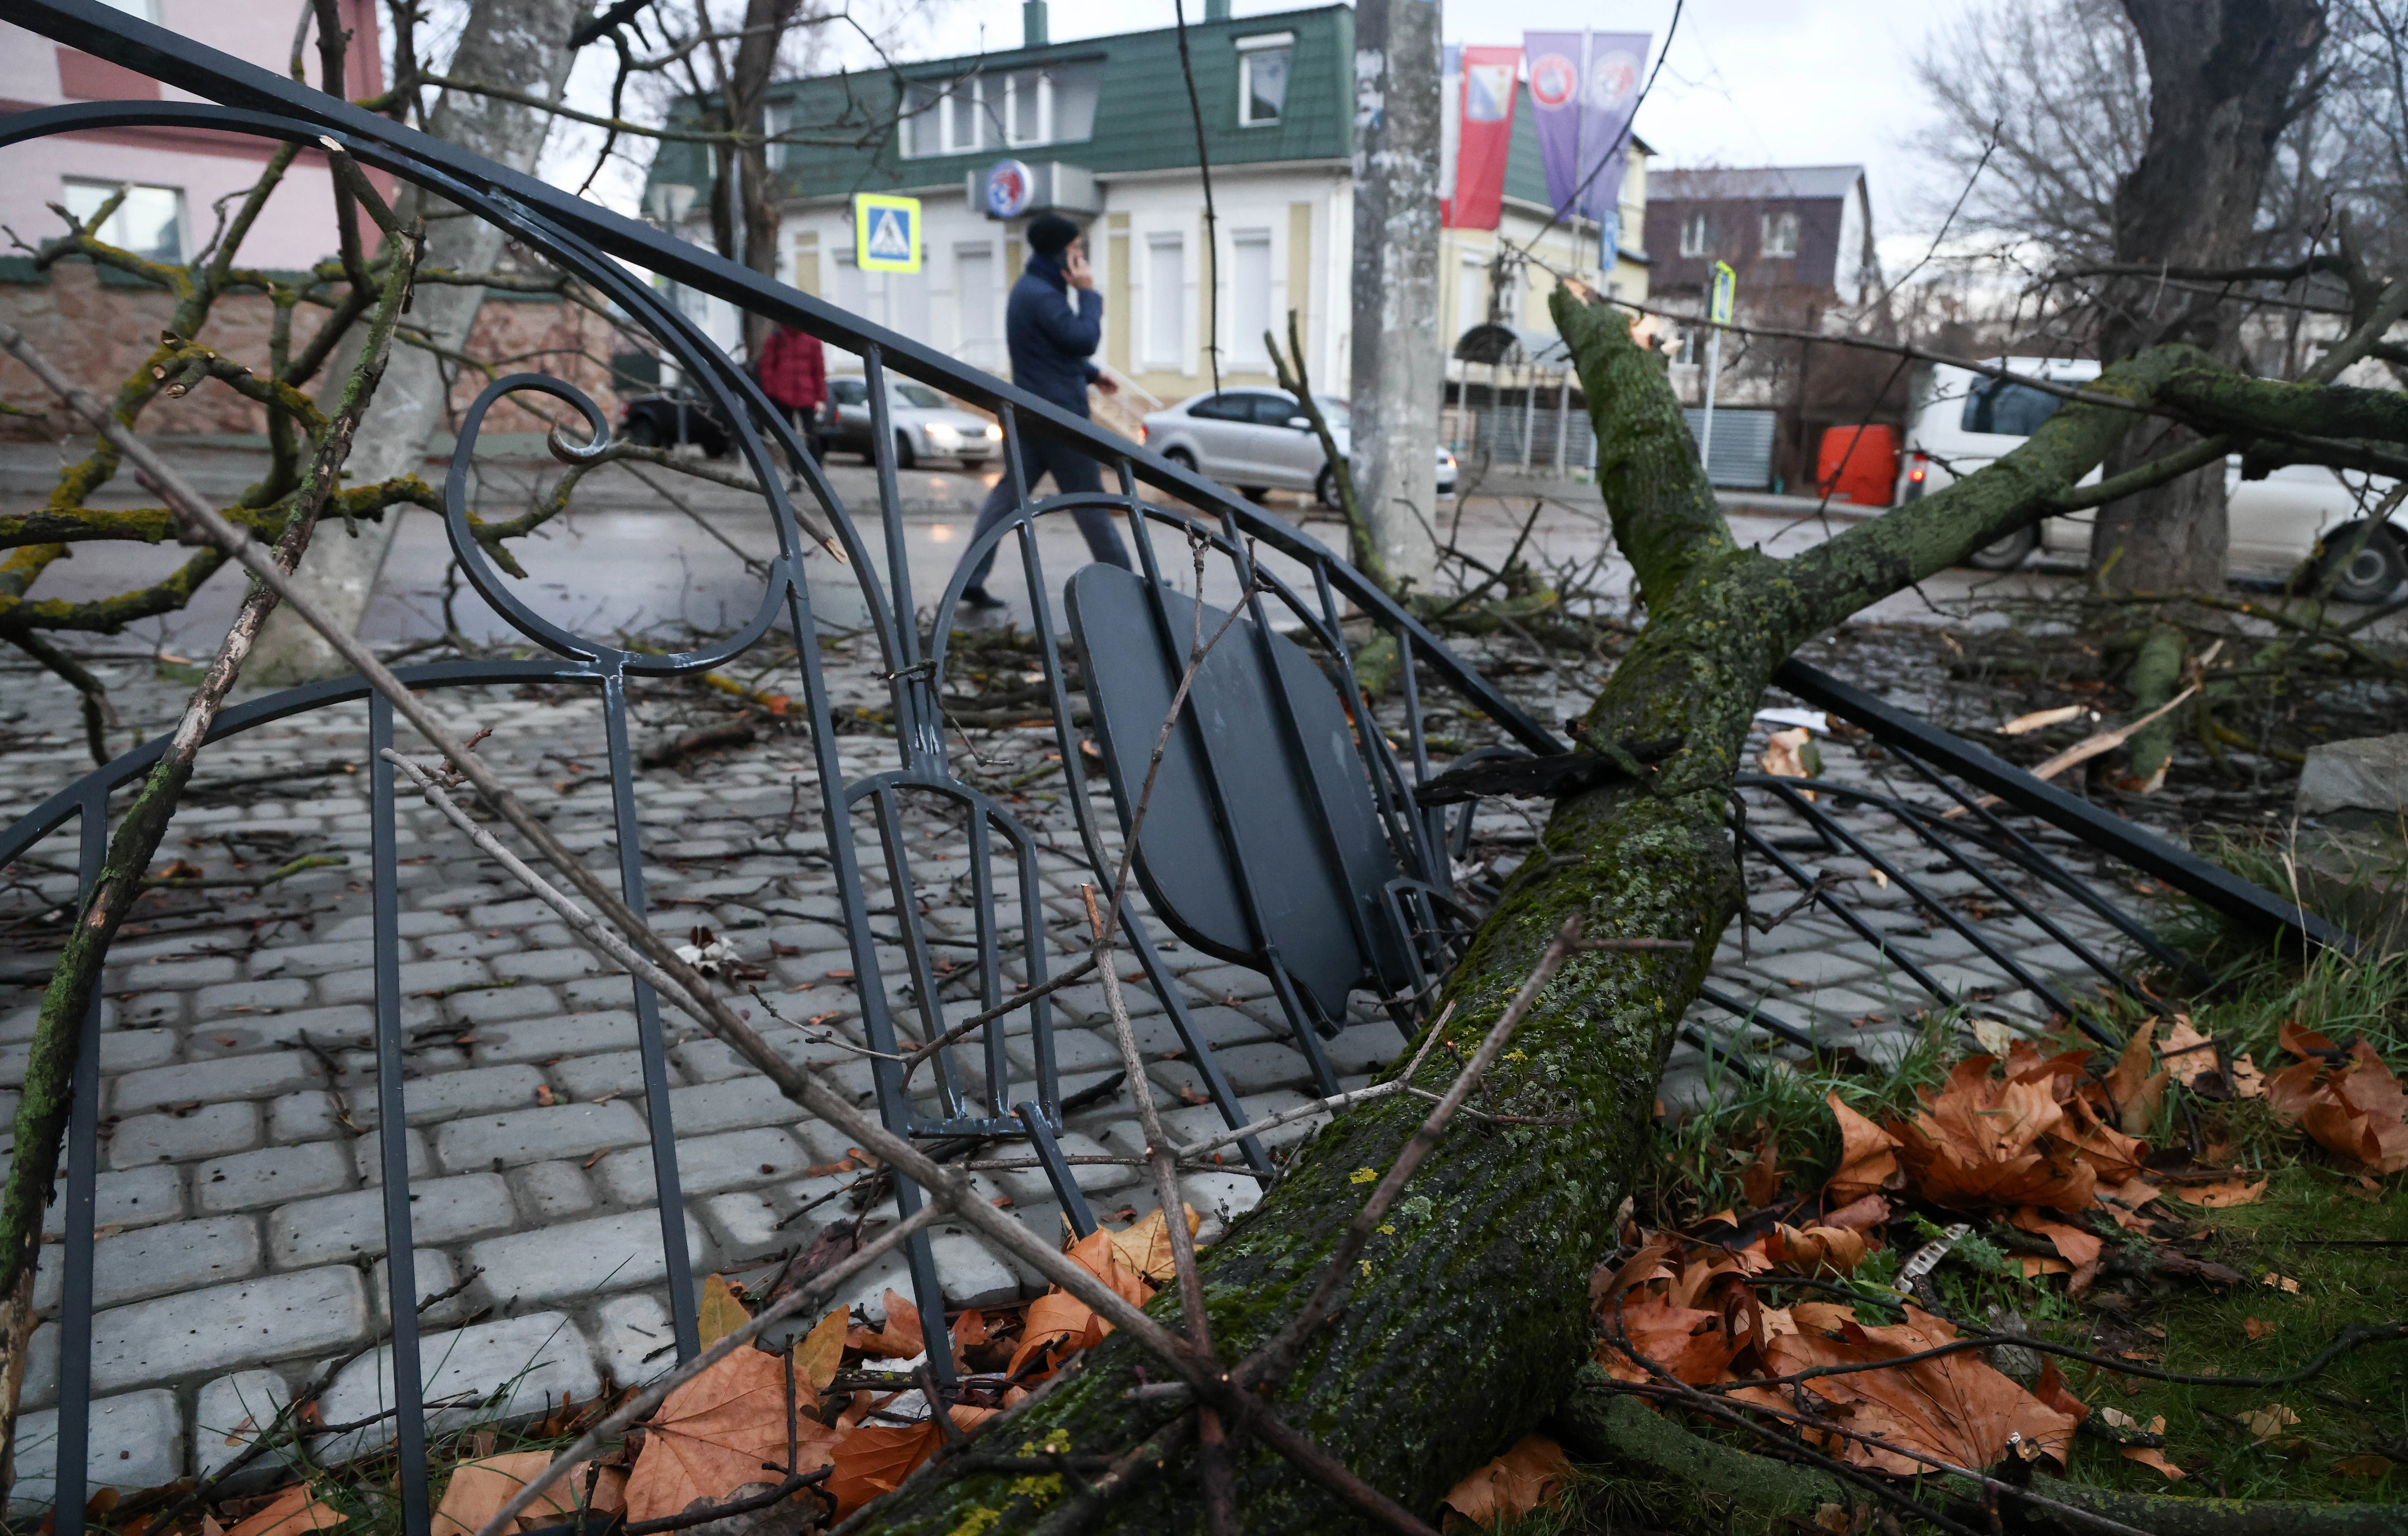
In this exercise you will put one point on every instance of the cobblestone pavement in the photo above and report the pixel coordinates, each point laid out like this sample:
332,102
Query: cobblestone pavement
241,1228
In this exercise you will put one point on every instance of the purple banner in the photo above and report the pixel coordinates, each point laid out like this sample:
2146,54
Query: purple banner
1583,87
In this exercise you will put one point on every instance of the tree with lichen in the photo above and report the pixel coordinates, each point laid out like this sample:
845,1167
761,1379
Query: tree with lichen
1468,1321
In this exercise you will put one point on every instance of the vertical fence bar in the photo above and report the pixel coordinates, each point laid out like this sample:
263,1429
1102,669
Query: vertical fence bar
677,1260
83,1179
392,1133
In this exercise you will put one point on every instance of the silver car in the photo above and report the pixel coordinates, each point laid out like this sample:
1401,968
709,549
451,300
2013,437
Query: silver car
926,426
1258,441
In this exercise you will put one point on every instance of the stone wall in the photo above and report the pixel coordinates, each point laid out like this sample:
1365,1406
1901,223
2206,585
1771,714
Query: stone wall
101,331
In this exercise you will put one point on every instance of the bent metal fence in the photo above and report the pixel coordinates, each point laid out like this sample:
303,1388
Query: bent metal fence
1292,591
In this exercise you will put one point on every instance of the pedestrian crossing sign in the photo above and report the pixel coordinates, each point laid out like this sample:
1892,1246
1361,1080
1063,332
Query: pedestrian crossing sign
886,233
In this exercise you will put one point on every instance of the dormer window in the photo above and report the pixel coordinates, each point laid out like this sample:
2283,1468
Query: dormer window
1013,109
1262,77
1697,235
1780,234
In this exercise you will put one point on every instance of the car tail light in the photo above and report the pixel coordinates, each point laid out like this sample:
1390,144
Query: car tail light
1141,433
1922,464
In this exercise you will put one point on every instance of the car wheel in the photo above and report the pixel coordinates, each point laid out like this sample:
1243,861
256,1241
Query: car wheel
1182,458
644,432
1325,487
1255,494
2368,571
2008,552
905,458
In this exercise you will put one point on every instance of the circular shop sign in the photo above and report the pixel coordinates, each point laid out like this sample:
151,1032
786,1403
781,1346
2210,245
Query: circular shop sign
1009,185
1553,80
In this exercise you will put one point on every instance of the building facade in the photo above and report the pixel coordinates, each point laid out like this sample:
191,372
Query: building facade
1109,120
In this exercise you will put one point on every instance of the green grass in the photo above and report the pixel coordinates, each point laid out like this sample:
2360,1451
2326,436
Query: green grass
2300,1231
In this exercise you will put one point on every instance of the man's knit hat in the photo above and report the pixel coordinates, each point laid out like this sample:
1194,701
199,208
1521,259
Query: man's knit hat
1049,234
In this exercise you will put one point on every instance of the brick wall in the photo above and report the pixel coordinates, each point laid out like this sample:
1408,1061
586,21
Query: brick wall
101,331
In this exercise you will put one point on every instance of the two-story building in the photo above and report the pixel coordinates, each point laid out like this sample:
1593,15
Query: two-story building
1106,121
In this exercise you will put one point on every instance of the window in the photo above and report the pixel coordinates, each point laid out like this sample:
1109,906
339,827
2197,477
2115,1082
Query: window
1780,234
1262,77
974,293
1275,409
1250,297
848,392
1697,235
1165,301
920,396
1052,105
778,118
1470,293
2002,407
150,222
1222,407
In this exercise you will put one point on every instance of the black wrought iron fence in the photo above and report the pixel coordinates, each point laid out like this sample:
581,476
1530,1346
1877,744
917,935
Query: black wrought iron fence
1293,593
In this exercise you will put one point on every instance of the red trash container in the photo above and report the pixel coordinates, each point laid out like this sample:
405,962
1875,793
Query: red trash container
1857,463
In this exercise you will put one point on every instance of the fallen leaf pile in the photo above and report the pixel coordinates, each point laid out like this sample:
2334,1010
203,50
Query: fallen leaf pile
2348,1101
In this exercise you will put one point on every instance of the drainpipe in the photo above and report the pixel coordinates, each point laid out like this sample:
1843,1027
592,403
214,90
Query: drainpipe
1032,23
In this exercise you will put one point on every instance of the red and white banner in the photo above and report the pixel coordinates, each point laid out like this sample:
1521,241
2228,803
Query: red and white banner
1479,102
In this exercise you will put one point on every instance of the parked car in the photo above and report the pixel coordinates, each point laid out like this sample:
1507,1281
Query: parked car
2298,517
925,424
1259,441
672,419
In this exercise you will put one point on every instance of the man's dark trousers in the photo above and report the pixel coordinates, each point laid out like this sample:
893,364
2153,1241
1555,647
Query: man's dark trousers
1072,471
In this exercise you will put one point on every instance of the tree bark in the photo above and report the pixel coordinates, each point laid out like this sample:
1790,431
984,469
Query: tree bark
1398,359
1471,1318
2222,83
519,44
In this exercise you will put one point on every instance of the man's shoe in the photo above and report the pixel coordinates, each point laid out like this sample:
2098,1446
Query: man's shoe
980,600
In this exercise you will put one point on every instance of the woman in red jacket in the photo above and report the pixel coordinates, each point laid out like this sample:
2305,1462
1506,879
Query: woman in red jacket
794,375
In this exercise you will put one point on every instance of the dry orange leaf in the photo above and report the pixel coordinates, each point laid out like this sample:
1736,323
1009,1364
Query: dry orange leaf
875,1458
2258,1327
1686,1341
2053,1393
1639,1268
1981,1140
1958,1408
2271,1422
2188,1054
719,1315
1513,1484
2279,1282
1868,1155
820,1352
480,1489
2136,1090
715,1434
292,1512
2368,1465
898,1338
2150,1456
1145,1246
2217,1197
1817,1248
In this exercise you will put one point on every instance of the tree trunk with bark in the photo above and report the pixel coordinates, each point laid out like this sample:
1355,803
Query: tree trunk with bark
2224,82
744,202
521,45
1470,1319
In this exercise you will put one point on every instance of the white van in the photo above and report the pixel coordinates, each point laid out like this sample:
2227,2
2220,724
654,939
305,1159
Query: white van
1962,419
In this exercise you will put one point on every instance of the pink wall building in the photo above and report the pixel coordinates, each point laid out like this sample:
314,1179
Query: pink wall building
176,179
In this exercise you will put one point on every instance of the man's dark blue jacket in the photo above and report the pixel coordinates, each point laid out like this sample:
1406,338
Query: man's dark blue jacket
1051,338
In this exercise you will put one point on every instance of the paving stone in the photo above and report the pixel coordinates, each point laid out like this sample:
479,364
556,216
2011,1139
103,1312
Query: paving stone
495,1004
213,1128
709,1164
121,1051
212,1081
137,1441
552,1190
408,924
635,1338
316,959
530,1361
467,944
431,1275
547,965
268,997
1367,1047
576,1034
237,1408
343,1226
533,1135
368,1157
1029,1185
732,1105
1260,1067
620,1073
137,1197
579,1257
177,1256
271,1176
281,1315
438,1096
350,986
201,971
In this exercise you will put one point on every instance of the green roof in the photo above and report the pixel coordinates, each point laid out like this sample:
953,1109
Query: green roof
1142,117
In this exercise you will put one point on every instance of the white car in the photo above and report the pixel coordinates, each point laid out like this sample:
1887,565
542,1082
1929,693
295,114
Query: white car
1259,439
926,426
1963,419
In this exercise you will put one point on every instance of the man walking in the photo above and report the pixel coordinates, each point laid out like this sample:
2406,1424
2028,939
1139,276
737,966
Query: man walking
1052,324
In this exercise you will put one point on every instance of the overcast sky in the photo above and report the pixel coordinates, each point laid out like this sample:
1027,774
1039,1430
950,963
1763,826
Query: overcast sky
1749,82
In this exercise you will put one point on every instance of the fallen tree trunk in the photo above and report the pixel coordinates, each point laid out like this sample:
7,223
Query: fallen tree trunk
1470,1318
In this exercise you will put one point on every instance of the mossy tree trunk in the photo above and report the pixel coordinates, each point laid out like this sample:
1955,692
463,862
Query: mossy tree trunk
1470,1320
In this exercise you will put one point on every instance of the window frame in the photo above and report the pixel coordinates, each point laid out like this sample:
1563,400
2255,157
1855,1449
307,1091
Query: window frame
1781,222
1262,45
105,185
1696,235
